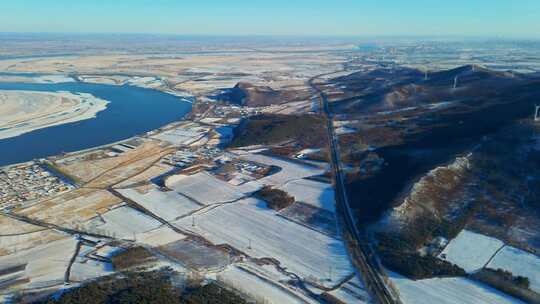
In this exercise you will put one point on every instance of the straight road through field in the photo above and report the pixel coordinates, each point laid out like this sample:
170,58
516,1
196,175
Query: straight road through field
367,262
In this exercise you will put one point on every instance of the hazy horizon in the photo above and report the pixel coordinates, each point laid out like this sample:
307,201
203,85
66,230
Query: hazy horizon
346,18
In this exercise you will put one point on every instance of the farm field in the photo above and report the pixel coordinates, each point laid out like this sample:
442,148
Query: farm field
182,135
314,193
44,265
86,269
168,205
519,263
146,176
204,188
159,236
290,170
73,208
259,288
19,236
448,291
310,254
123,222
471,251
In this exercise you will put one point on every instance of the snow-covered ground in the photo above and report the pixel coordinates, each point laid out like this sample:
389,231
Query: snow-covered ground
29,78
24,111
85,269
204,188
138,81
110,80
145,82
309,254
345,130
159,236
182,136
45,264
471,251
290,171
518,262
448,291
18,242
168,205
123,222
260,289
353,291
53,79
317,194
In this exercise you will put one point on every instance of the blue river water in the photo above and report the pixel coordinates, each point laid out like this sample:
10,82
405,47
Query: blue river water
131,111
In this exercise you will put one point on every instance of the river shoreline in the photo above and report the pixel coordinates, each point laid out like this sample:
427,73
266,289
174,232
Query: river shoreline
132,111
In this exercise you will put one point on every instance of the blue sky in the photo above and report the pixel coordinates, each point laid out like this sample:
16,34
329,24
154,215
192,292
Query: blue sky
503,18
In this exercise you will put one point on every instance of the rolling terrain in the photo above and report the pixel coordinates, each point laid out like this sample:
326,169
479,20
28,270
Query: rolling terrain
429,156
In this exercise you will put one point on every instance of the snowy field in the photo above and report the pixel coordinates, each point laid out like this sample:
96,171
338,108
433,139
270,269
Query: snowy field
25,111
159,236
314,193
145,82
12,243
471,251
290,171
168,205
181,136
317,219
448,291
309,254
85,269
46,264
47,78
518,262
260,289
123,222
53,78
204,188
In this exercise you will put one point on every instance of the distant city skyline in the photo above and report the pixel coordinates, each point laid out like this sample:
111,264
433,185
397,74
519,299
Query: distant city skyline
489,18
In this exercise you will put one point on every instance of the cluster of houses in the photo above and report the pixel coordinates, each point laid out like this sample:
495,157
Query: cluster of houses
22,183
236,171
184,158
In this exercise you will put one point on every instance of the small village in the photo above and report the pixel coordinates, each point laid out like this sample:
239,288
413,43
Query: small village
28,182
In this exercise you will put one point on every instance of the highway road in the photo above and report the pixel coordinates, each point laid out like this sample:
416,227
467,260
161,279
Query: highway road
367,263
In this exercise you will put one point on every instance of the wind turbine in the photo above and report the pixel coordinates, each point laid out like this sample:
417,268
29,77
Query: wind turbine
537,113
455,82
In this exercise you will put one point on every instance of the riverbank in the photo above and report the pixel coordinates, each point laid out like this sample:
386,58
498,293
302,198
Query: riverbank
130,111
25,111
